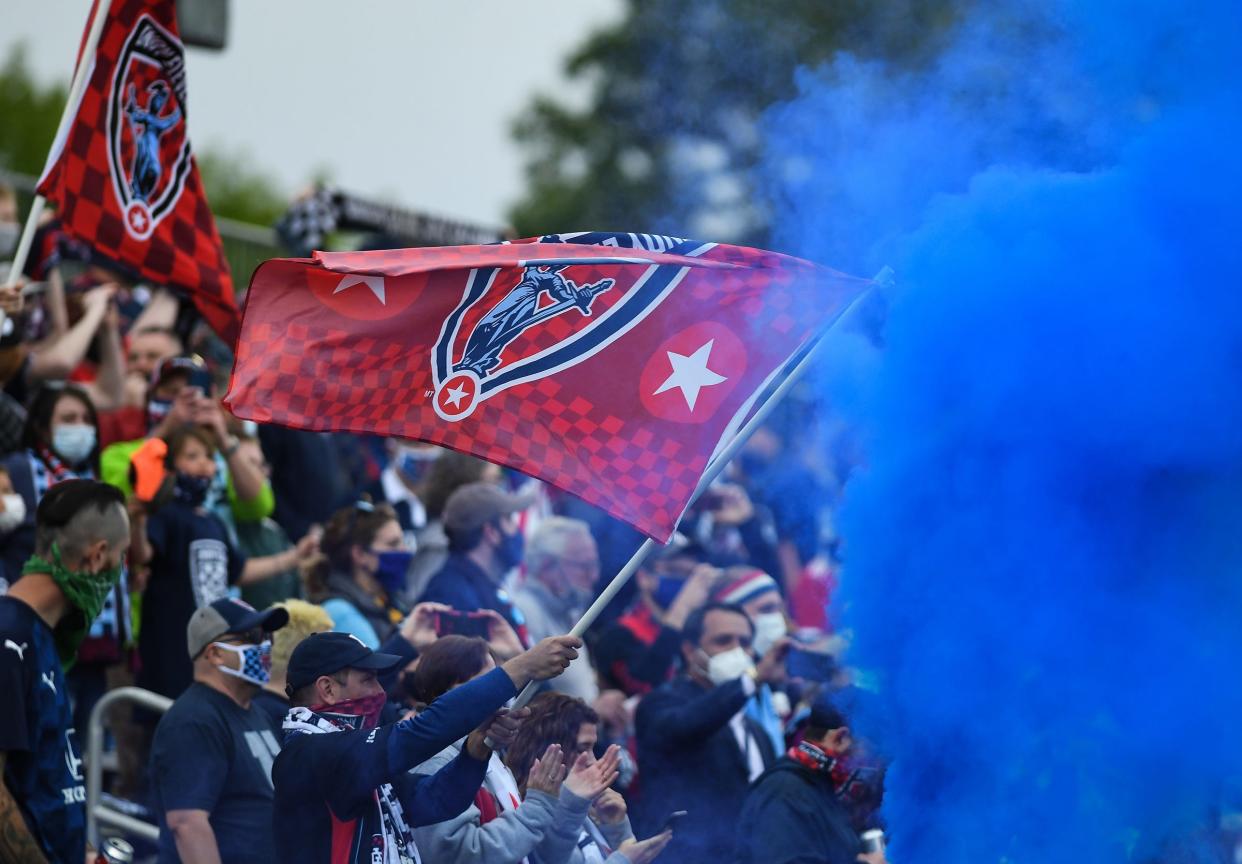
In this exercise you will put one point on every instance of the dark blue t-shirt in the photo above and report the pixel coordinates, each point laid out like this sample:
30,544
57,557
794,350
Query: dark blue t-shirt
43,765
211,754
193,565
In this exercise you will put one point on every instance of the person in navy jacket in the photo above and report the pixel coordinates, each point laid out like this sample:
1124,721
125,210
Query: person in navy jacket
343,794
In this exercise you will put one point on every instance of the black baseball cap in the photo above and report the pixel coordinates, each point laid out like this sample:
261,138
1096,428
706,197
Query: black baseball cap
325,653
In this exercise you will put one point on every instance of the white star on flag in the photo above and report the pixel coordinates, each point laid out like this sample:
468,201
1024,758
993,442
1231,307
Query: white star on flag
139,220
375,283
455,395
690,374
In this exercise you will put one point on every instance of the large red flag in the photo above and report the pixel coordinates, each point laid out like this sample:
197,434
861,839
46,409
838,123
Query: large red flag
611,365
122,174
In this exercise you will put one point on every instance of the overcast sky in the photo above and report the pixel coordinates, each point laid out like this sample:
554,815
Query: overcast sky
411,101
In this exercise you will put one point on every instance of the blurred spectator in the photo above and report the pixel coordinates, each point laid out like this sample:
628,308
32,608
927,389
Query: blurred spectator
697,749
731,529
81,537
149,346
343,778
181,396
639,650
308,478
485,543
60,442
211,760
561,568
401,479
192,561
605,835
500,827
360,571
444,476
795,813
304,619
259,537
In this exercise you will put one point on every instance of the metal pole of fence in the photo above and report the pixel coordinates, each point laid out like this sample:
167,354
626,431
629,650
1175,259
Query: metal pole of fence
95,812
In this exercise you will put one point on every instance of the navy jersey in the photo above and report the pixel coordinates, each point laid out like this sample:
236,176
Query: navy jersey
211,754
194,564
43,765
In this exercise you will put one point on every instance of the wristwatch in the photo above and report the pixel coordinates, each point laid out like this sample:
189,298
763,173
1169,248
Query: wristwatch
231,446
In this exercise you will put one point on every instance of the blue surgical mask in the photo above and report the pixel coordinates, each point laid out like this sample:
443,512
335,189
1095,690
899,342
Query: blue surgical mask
667,590
512,548
73,442
394,564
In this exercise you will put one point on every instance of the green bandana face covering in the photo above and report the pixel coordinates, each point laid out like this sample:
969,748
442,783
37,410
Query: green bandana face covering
87,592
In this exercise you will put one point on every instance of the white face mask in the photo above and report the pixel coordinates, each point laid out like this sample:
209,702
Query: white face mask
256,662
73,442
769,627
14,512
729,665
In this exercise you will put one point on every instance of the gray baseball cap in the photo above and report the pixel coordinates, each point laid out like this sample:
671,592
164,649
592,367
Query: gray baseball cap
474,505
229,616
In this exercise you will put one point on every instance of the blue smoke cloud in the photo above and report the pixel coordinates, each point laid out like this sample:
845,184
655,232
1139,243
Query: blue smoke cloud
1044,547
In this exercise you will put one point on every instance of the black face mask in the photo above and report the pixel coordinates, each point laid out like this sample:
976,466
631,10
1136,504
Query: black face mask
512,548
192,490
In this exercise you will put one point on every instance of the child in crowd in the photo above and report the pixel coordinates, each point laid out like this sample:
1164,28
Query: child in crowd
192,561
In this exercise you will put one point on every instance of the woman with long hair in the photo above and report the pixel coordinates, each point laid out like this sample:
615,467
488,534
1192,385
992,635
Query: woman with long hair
605,836
359,575
503,826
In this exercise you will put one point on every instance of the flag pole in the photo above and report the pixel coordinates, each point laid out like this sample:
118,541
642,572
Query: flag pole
80,76
713,470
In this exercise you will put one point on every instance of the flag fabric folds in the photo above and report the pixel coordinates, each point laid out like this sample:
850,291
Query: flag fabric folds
611,365
122,173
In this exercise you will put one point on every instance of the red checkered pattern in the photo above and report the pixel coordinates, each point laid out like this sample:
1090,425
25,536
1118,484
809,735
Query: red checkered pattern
593,428
184,250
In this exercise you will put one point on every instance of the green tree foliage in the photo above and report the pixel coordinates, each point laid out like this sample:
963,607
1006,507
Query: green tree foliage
30,112
670,135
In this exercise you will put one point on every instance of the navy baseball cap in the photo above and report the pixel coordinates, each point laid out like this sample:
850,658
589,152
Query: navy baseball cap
229,616
324,653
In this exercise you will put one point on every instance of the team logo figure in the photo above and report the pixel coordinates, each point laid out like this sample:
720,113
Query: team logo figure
147,124
148,150
520,309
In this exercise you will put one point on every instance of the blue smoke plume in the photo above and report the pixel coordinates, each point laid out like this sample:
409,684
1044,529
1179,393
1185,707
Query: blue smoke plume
1043,551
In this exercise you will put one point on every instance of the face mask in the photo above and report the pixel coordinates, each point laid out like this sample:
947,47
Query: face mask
73,442
394,564
512,547
360,713
87,592
769,627
256,662
10,232
192,490
667,590
729,665
413,464
14,512
157,410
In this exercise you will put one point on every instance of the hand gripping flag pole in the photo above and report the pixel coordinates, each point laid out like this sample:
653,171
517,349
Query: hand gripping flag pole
883,278
81,76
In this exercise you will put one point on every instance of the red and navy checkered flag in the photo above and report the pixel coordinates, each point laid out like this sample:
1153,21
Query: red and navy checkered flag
611,365
122,174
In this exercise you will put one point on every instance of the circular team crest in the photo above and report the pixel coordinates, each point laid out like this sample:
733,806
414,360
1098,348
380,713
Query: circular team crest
148,151
455,398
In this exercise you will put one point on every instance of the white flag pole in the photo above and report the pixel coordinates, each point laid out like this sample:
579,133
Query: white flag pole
709,475
80,78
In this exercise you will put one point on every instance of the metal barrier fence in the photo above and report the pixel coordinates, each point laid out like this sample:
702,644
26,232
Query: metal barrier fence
97,812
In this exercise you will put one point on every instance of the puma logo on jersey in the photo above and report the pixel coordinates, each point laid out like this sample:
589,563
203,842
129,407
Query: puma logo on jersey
20,649
49,680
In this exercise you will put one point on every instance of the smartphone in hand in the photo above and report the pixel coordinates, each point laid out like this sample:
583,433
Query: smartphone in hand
462,624
670,821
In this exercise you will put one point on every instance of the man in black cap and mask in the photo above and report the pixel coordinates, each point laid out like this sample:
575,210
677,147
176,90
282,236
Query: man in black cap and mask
81,534
343,791
211,760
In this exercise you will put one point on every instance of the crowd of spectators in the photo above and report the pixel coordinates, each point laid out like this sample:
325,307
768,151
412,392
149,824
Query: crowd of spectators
279,584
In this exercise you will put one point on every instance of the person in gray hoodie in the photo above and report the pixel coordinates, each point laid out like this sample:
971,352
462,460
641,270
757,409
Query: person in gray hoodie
604,835
502,827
